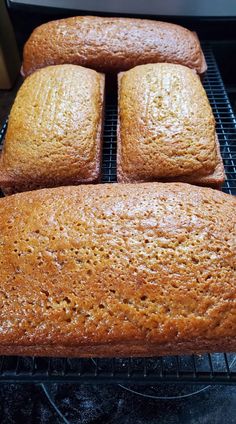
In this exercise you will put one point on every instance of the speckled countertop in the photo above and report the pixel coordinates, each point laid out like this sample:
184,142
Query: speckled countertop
113,404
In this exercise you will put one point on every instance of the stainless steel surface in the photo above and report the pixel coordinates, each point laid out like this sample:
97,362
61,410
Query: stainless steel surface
203,8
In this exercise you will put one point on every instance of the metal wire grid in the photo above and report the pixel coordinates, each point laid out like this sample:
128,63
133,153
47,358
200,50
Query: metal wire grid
225,126
224,116
209,368
109,144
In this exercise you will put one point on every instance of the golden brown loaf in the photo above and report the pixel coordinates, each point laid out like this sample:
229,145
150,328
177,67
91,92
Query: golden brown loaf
166,128
111,44
117,270
54,130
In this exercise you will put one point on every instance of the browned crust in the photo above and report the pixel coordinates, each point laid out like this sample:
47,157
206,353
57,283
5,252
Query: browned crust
10,185
204,64
100,132
214,180
101,55
122,350
117,270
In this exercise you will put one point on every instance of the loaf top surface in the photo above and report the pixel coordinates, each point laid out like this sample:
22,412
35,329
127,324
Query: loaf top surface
111,44
115,263
166,125
54,128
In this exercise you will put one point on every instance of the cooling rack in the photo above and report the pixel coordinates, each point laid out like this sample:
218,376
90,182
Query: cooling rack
225,126
219,368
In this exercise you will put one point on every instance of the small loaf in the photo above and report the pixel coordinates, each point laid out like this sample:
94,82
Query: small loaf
118,270
54,133
166,128
111,44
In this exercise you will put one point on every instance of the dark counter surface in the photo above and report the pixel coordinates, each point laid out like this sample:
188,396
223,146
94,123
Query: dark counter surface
6,100
114,405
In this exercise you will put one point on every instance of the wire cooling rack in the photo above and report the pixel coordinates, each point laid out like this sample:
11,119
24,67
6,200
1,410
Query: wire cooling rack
225,119
219,368
225,126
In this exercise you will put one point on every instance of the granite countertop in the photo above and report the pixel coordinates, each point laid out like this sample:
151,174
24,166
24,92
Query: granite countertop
114,405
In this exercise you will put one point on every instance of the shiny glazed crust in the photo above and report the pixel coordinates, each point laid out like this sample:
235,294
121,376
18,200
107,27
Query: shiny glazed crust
111,44
54,133
118,270
166,128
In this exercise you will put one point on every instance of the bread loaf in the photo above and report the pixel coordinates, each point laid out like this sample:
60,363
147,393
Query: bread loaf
54,130
111,44
166,128
118,270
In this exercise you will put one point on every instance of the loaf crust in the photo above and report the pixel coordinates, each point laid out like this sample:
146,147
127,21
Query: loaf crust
118,270
54,133
111,44
166,128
